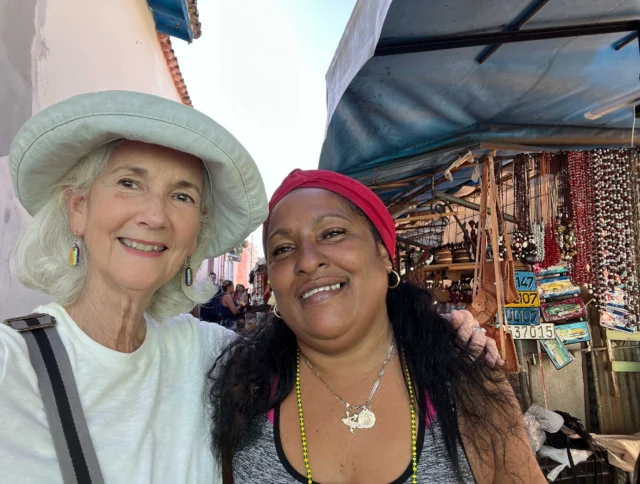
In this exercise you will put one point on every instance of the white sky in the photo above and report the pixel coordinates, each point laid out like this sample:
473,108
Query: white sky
259,69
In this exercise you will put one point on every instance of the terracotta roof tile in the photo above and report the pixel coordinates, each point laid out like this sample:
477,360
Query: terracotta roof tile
174,67
194,18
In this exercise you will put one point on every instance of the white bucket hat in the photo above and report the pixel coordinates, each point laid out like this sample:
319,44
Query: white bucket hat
54,140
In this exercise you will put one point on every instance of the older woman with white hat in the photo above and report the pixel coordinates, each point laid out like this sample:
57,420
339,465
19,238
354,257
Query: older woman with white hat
129,193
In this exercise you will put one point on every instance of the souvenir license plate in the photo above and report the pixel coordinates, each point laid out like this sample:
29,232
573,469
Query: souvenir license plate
527,300
573,332
525,281
559,355
541,331
530,316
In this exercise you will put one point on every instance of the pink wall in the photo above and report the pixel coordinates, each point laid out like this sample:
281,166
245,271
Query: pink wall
78,46
240,271
93,45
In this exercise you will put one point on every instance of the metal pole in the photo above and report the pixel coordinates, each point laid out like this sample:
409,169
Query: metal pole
407,241
517,25
626,41
465,232
430,44
464,203
523,375
596,385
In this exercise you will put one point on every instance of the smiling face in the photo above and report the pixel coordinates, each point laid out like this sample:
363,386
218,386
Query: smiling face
328,272
141,218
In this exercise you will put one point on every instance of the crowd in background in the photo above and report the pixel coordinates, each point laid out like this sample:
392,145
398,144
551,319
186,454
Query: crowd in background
228,305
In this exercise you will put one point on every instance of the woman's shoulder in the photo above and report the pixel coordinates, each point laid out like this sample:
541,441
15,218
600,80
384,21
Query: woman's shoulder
14,355
212,337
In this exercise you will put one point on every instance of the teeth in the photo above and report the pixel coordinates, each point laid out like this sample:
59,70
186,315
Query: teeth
142,247
320,289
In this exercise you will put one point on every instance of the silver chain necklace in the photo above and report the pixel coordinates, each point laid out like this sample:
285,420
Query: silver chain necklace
363,417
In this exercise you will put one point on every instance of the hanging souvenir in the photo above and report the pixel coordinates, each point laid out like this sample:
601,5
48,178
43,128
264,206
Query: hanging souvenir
548,170
582,205
615,239
538,225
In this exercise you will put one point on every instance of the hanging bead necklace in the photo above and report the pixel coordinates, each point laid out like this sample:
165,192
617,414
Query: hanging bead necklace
414,427
565,227
581,190
525,243
538,225
551,247
616,237
634,174
521,193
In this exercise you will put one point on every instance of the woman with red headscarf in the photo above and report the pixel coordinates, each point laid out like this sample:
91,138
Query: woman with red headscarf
356,378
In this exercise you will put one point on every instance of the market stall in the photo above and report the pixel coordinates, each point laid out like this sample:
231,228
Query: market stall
509,127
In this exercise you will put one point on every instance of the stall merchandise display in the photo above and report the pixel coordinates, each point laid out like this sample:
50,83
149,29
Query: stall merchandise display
577,223
615,234
552,255
521,193
565,228
541,213
571,333
524,240
582,204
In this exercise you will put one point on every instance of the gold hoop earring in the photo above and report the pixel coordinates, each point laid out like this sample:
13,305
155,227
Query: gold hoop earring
275,311
74,252
188,273
393,286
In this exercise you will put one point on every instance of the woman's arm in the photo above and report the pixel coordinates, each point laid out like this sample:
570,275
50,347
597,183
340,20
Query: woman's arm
502,454
226,299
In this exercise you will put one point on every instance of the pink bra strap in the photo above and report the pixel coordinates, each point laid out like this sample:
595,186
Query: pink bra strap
274,390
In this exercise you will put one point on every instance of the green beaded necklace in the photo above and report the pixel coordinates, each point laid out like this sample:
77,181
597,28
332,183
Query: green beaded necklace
414,431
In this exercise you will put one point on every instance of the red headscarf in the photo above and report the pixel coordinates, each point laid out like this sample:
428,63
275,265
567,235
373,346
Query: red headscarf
348,188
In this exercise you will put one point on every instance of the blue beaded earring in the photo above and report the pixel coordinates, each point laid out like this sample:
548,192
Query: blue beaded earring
188,273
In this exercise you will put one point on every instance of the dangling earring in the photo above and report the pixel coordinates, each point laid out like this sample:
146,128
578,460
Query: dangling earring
393,286
188,273
275,311
74,252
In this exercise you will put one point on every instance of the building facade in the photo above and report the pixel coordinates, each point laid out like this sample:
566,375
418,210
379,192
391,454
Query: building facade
235,268
52,50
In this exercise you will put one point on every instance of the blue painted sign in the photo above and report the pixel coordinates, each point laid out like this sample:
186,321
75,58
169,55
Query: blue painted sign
528,316
525,281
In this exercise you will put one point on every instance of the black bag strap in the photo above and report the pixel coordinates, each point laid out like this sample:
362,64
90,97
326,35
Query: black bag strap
71,439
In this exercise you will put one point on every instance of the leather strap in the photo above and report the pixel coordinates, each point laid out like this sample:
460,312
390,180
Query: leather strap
505,234
481,246
496,258
71,439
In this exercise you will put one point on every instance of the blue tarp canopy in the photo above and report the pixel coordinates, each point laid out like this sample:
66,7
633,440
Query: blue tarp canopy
395,116
173,18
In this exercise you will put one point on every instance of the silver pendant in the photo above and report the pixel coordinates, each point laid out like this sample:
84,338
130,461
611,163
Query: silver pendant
351,421
366,419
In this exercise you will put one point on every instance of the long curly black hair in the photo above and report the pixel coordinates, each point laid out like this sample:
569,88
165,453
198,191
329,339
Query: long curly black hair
458,383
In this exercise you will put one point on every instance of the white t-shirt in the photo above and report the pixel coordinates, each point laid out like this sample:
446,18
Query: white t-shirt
147,411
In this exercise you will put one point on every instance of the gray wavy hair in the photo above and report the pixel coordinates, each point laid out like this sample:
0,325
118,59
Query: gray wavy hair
40,258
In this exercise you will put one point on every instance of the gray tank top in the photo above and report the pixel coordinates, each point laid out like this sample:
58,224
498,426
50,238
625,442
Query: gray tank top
261,459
